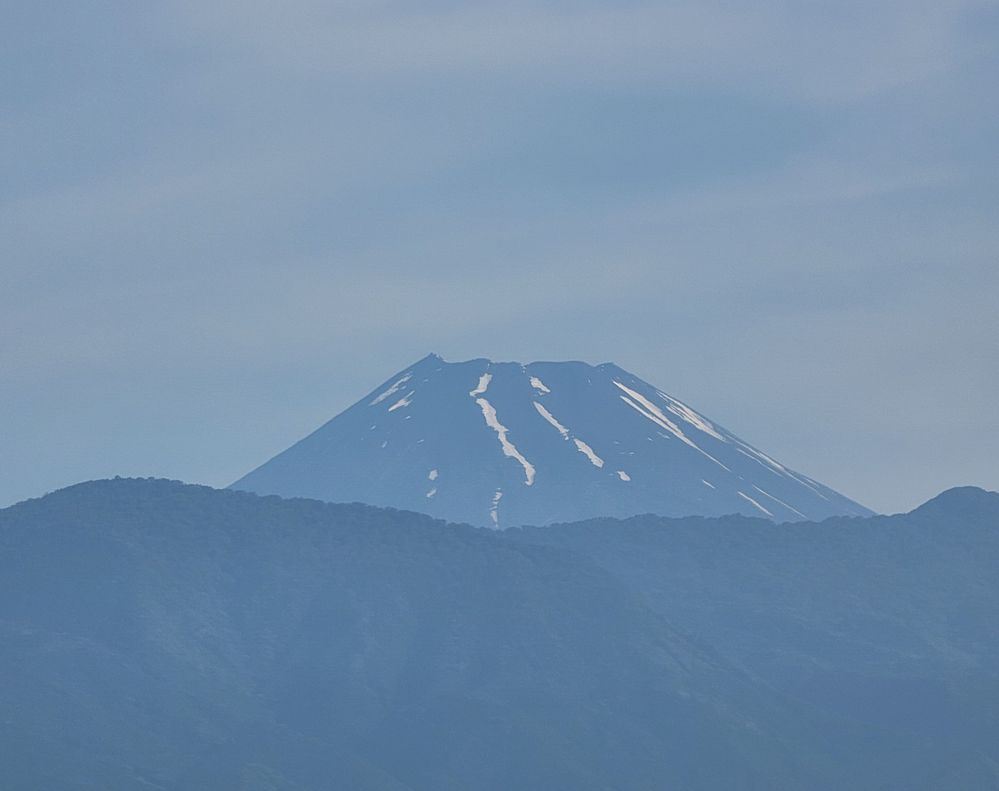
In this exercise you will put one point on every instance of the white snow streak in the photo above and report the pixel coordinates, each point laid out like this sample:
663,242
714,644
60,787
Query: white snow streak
587,451
776,467
778,500
707,484
538,385
480,388
406,400
509,449
762,458
494,508
647,409
583,448
551,419
432,475
684,412
623,475
747,497
394,388
432,492
653,413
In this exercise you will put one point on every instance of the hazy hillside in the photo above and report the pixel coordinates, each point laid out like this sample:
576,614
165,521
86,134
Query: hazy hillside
157,635
885,626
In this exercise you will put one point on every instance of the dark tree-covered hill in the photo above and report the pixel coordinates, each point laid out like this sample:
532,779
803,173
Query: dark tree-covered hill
160,635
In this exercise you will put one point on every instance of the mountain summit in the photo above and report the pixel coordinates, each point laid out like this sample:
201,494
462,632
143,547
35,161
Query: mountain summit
502,444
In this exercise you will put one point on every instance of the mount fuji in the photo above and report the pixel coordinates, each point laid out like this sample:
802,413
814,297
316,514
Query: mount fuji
499,444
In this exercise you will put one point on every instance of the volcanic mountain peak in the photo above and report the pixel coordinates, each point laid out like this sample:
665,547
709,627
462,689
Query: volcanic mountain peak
502,443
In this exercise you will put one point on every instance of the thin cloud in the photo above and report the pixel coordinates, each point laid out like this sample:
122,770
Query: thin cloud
825,54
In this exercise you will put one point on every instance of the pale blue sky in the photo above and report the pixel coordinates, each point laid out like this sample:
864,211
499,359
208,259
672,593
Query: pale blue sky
221,222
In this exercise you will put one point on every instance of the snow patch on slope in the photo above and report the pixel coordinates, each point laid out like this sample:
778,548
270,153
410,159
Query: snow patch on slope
583,448
538,385
653,413
394,388
747,497
778,500
494,508
509,449
481,387
587,451
406,400
776,467
551,419
650,411
684,412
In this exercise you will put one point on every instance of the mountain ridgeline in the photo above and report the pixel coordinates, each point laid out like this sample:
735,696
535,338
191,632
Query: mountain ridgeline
161,635
503,444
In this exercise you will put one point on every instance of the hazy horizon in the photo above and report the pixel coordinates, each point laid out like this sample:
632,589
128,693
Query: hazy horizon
221,224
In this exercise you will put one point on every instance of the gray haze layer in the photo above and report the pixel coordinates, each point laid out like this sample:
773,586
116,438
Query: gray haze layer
220,223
